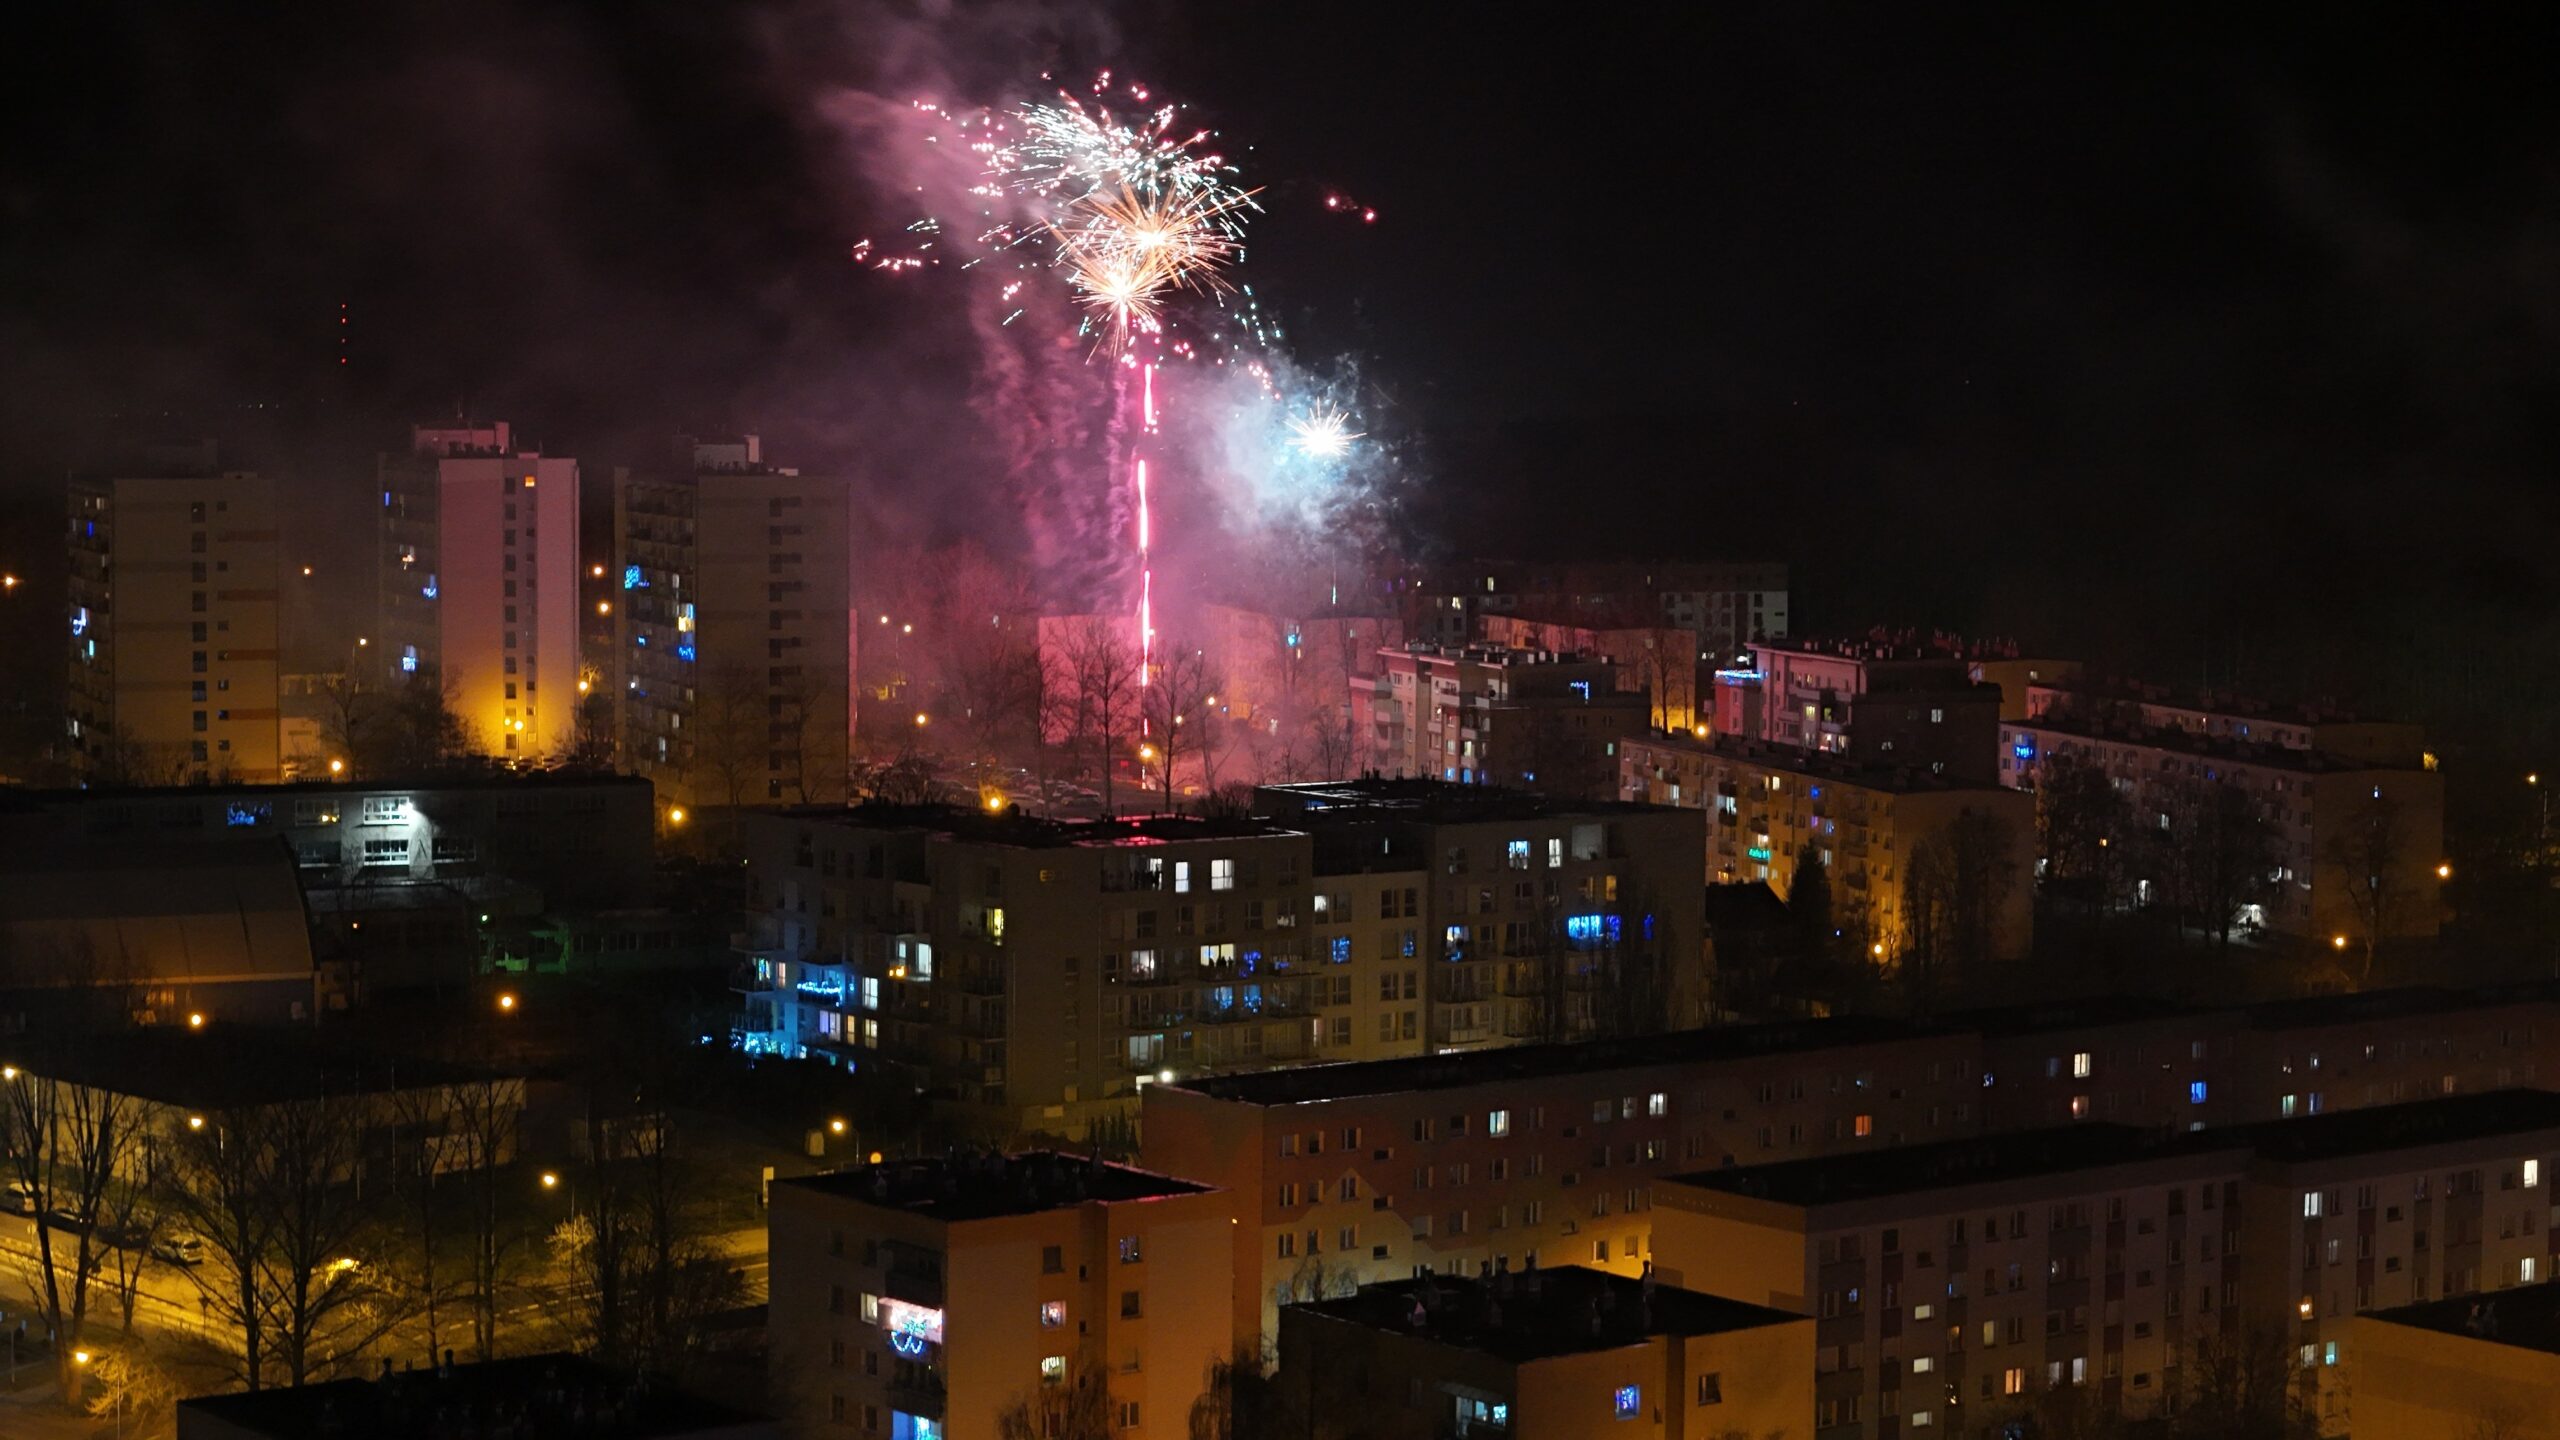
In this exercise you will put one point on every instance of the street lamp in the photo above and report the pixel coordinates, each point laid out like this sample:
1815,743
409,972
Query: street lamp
550,1179
195,1019
836,1126
506,1002
195,1122
2444,871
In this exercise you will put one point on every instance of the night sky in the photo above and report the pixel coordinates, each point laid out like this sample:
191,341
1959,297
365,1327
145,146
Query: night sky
2222,343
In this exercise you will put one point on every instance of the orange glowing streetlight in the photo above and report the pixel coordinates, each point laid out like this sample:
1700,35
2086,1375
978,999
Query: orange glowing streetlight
506,1002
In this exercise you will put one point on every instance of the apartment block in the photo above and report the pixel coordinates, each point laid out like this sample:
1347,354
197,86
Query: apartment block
1890,699
1661,663
2318,806
920,1300
1950,1284
173,643
1723,605
1515,917
1559,1351
1488,715
1764,803
733,648
478,581
1037,971
1500,1160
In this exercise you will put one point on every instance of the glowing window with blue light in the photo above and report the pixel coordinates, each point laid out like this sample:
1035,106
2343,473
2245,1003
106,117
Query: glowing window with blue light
2025,749
1341,949
428,589
1629,1402
1580,687
684,652
2195,1092
238,816
631,578
1585,929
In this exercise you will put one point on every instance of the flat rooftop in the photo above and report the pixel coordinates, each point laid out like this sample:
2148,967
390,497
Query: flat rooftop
2028,1154
1310,1083
549,1395
224,1067
2228,706
1538,1314
2093,1013
1811,764
2526,1317
992,1186
1948,1164
1438,801
1018,827
2264,753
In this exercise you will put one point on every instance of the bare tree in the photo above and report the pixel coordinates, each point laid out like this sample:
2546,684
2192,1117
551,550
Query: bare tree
2367,852
1175,704
731,731
350,721
326,1299
482,1121
1955,883
1102,674
2241,1384
70,1145
2083,824
217,1190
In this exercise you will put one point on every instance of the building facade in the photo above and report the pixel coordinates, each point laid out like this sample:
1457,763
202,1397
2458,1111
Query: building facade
174,622
1486,715
2461,1368
478,584
920,1300
2343,829
1960,1281
1725,605
733,650
1661,663
1766,804
1891,699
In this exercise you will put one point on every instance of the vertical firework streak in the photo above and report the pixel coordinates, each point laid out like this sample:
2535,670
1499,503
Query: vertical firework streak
1131,214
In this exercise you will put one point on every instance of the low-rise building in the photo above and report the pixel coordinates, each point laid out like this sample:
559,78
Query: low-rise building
1660,662
923,1299
1724,605
1908,850
2461,1369
1560,1351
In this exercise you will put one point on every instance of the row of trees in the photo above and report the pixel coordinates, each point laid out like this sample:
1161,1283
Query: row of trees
335,1223
2209,854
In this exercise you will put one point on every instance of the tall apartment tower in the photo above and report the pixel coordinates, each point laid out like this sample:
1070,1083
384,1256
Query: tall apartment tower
479,583
733,636
173,622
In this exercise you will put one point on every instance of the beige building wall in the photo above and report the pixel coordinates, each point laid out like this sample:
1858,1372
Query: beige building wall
2412,1383
174,628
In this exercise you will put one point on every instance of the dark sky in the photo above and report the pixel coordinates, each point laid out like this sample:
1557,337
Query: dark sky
2193,337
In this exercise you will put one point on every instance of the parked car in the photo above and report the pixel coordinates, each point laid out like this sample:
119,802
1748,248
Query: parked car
18,1197
178,1248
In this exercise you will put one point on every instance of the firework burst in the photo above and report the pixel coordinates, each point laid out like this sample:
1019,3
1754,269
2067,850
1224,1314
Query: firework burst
1323,433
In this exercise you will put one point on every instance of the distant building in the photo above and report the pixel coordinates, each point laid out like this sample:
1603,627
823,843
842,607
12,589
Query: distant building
2019,676
173,622
1486,715
1289,678
2096,1257
1661,663
922,1299
2460,1368
1765,803
733,628
1725,606
1888,699
479,584
1559,1351
2335,796
562,1395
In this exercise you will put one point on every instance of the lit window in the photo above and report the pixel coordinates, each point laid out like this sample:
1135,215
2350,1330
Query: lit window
1053,1313
1222,874
1657,1104
1923,1364
2310,1204
2013,1381
2195,1092
1630,1401
1497,1124
1863,1126
2080,1065
2532,1174
1053,1369
1182,877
